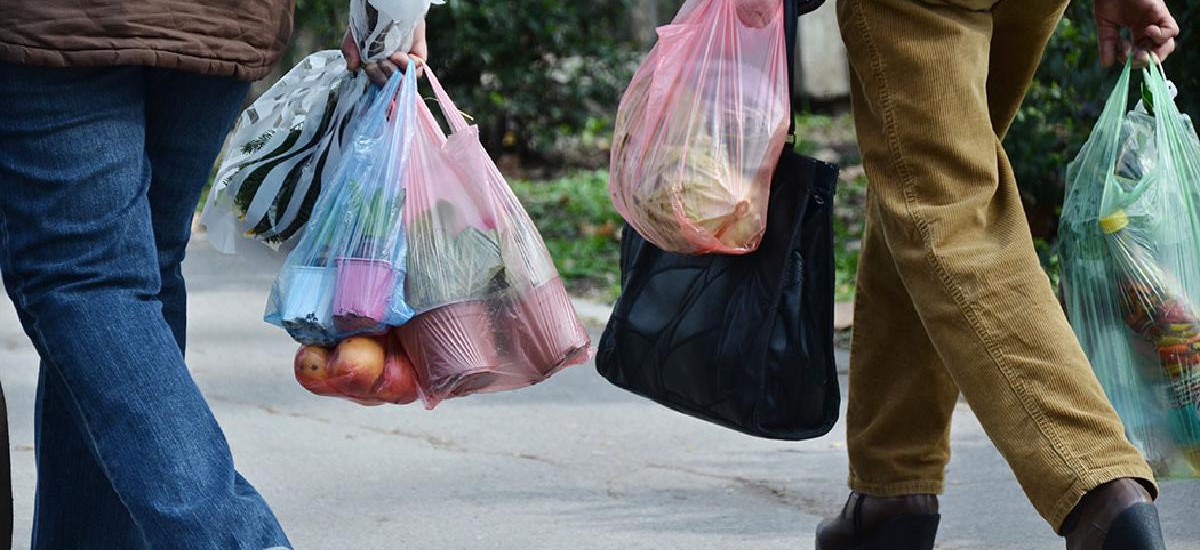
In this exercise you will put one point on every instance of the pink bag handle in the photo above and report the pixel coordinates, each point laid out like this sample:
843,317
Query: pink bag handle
453,116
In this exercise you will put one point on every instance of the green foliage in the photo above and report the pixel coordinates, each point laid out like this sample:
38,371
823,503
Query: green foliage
533,72
581,228
849,213
536,75
1183,67
1065,99
319,25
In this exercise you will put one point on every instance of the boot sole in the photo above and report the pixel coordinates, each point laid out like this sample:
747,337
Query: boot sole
1137,528
913,532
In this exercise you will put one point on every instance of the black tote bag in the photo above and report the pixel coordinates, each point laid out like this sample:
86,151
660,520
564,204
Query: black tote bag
745,342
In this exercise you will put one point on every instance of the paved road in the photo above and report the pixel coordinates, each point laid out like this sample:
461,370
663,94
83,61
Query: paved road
570,464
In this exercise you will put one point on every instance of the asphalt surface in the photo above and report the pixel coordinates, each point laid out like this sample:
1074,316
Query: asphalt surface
570,464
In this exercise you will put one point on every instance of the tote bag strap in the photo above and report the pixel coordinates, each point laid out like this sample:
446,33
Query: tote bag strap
792,10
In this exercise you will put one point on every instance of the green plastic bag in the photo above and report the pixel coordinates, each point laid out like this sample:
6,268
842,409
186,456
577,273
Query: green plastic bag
1130,249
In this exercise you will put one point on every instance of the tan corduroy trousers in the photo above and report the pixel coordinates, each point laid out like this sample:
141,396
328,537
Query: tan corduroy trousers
951,296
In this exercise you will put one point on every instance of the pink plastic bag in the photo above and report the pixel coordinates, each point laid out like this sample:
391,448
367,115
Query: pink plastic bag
492,313
701,127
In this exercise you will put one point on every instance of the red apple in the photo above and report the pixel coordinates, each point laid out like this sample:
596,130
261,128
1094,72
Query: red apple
312,369
399,384
357,365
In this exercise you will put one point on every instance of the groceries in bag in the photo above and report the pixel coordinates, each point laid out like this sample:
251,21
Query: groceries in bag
700,128
492,312
1130,247
451,283
344,276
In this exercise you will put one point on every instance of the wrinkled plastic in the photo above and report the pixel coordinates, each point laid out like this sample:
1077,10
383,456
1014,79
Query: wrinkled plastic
492,312
346,275
380,27
743,341
1130,245
701,126
288,143
285,146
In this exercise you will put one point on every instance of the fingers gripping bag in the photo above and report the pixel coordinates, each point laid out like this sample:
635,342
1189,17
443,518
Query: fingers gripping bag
492,312
1130,245
288,143
345,276
701,126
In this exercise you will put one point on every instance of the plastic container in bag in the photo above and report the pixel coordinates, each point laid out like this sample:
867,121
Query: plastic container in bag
344,276
700,128
492,313
1130,246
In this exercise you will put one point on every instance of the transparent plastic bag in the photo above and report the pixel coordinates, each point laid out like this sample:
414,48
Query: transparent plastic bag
1130,246
284,147
288,143
346,275
700,128
368,370
492,312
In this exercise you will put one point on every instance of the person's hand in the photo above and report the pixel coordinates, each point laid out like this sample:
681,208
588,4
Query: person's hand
380,71
1149,22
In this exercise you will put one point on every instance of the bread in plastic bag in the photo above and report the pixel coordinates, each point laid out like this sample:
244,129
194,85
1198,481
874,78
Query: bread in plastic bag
700,128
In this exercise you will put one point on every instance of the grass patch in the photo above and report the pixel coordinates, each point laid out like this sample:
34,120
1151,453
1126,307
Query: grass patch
576,218
849,209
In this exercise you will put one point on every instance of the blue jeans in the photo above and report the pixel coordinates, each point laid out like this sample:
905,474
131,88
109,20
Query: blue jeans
100,172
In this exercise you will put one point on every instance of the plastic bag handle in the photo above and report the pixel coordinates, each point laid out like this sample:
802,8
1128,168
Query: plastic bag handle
453,116
1115,109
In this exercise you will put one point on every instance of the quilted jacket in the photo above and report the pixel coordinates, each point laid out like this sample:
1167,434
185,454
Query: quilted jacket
238,38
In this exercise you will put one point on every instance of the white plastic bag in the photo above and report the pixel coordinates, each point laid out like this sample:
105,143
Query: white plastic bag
284,145
287,143
381,27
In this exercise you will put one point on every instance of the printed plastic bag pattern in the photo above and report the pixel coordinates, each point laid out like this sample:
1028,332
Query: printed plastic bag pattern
1130,246
381,27
700,128
346,275
287,144
492,312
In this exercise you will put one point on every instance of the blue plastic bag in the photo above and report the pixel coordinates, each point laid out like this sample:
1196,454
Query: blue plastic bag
346,275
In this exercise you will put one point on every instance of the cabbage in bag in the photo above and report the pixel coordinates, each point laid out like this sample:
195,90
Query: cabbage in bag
701,126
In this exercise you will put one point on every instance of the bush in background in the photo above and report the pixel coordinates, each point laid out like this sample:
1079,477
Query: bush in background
1065,99
541,78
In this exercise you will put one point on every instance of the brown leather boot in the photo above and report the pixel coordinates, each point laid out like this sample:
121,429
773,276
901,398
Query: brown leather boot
906,522
1118,515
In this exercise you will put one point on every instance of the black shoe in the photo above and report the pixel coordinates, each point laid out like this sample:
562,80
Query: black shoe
1118,515
906,522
